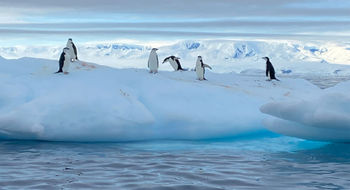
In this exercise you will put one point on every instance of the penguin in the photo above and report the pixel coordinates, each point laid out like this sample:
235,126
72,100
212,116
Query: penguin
200,68
270,71
67,60
72,49
61,62
153,62
174,62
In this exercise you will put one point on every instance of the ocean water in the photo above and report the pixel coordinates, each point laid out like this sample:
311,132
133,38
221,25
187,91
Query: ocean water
266,162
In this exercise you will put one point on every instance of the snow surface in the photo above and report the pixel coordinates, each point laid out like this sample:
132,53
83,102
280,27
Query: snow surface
99,103
288,57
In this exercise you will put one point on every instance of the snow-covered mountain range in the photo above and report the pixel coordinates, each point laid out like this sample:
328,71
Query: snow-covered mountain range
222,55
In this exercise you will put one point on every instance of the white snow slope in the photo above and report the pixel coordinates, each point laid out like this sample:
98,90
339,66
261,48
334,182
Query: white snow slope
98,103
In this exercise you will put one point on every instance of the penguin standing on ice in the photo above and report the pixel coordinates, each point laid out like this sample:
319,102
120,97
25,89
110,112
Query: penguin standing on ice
174,62
72,50
200,68
270,71
66,61
153,62
61,62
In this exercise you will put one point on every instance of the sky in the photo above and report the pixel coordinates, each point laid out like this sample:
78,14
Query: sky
51,21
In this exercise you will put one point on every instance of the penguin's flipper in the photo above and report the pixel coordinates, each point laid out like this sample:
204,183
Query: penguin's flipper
205,65
166,59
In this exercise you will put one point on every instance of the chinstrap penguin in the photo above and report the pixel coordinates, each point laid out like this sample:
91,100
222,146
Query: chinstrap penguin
153,62
200,68
270,71
174,62
72,49
61,62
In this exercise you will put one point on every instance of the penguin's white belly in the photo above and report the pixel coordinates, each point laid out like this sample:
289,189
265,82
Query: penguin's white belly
153,62
200,73
66,63
71,52
174,65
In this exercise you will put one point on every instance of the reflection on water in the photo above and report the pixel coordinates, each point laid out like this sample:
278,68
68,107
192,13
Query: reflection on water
260,163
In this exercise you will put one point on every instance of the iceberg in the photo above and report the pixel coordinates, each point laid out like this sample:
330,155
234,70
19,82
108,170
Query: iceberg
324,117
99,103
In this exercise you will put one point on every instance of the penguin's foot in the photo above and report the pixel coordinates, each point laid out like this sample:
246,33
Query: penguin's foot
66,73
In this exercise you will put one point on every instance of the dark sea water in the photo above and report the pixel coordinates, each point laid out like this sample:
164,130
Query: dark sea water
272,162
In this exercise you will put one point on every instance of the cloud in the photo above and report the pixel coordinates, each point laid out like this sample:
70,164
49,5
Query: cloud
192,8
328,19
156,34
184,24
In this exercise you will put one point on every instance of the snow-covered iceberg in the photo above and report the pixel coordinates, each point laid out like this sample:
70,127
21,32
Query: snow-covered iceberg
324,117
98,103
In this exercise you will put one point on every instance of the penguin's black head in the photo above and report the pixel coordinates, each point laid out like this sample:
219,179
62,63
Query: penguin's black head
266,58
65,50
154,49
70,39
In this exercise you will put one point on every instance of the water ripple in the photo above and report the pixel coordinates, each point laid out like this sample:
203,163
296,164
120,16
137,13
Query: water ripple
220,165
